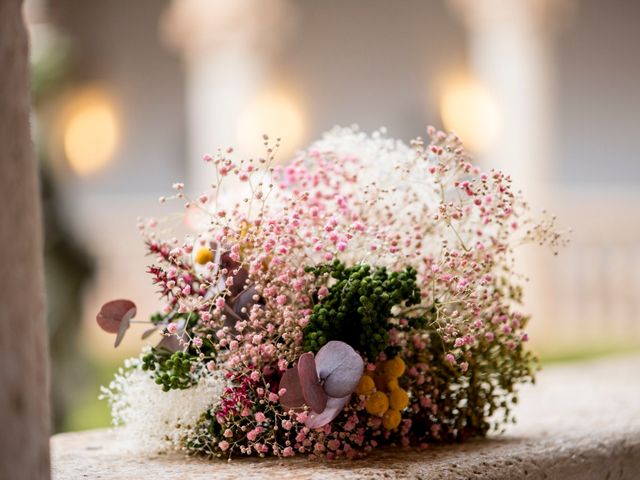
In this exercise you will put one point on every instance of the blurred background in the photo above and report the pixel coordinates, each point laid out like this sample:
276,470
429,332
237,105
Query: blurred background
128,96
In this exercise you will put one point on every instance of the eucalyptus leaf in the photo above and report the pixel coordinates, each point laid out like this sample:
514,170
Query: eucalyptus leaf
314,394
340,367
293,397
332,410
147,333
239,277
112,313
124,325
176,342
245,300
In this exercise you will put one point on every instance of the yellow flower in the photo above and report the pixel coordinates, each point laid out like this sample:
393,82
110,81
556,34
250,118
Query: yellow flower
392,384
391,419
398,399
365,386
244,228
204,256
394,368
377,403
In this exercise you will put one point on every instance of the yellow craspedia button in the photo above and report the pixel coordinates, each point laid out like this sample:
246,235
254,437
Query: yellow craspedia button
392,384
391,419
204,256
398,399
377,403
394,367
365,386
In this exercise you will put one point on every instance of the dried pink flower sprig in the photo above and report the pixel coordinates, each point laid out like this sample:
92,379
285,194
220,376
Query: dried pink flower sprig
243,296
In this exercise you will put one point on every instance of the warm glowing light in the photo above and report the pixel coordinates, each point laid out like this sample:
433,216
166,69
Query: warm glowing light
90,133
472,112
277,114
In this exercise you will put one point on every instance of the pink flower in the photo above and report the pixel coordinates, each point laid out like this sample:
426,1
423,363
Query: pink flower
288,452
172,328
223,445
260,418
323,292
333,444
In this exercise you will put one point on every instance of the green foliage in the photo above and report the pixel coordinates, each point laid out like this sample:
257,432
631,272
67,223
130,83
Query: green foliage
470,402
357,309
171,370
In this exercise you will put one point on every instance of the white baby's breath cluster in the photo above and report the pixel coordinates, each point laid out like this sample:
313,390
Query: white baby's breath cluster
152,420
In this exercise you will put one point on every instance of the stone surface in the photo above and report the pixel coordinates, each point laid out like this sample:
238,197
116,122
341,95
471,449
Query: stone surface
582,421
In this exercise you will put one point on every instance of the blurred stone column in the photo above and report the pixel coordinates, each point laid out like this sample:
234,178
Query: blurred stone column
226,46
24,406
510,45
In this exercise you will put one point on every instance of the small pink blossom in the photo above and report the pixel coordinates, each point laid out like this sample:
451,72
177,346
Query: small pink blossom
288,452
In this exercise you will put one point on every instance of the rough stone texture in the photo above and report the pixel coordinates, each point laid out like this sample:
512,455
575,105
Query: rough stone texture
24,412
581,421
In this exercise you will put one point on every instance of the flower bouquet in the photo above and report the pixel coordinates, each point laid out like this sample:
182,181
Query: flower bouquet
362,295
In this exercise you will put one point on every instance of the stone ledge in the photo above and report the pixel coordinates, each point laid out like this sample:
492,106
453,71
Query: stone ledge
581,421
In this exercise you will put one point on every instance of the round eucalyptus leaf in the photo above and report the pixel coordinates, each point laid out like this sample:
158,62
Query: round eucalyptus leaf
340,367
112,314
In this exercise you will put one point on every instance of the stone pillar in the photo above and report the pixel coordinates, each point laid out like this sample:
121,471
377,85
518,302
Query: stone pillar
511,55
225,45
24,409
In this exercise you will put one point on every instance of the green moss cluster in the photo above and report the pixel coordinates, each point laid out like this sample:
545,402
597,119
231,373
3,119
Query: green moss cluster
357,309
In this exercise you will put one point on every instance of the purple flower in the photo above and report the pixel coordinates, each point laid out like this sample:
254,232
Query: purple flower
324,383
